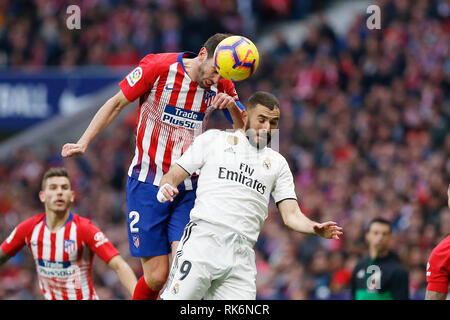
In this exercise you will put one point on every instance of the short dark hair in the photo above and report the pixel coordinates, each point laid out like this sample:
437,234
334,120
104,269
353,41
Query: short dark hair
54,172
379,220
213,41
264,98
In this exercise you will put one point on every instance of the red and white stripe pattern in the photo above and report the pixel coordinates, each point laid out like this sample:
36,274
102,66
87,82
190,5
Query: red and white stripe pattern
159,143
63,258
62,276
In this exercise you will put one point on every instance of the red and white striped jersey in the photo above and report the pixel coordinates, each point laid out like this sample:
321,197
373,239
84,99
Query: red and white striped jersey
438,267
172,111
63,258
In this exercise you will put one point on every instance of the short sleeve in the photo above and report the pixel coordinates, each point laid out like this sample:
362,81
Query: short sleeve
195,156
438,267
17,238
227,87
98,242
284,185
142,78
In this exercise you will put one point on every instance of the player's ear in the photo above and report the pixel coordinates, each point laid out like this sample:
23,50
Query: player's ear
366,237
203,54
244,115
72,198
42,196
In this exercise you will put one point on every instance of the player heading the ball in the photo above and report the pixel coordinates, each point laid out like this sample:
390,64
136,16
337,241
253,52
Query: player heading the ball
236,58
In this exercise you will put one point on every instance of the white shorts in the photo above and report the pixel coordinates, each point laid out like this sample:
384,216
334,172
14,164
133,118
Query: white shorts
212,263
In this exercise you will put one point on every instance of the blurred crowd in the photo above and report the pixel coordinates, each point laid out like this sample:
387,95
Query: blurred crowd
34,33
365,126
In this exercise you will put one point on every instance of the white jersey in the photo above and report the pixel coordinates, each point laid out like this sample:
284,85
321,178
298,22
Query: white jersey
236,181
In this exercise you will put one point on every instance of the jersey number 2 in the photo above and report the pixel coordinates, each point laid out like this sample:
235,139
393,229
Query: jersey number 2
134,217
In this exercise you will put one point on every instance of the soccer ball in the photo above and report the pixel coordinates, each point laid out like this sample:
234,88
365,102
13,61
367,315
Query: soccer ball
236,58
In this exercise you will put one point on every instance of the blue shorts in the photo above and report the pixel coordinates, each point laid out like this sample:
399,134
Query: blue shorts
153,226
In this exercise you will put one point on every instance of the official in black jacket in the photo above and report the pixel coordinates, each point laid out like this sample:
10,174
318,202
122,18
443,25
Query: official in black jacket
380,276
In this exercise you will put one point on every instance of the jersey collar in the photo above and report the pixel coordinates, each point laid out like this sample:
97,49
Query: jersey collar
70,218
185,54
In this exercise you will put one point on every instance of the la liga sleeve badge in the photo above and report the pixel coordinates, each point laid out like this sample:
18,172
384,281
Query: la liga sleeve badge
134,76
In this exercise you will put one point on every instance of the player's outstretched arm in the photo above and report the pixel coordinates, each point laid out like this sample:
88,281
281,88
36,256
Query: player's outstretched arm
297,221
124,273
104,116
169,182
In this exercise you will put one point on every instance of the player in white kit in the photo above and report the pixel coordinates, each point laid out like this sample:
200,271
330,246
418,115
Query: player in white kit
238,174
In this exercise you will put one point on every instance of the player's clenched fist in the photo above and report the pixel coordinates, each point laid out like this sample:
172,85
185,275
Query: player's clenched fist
166,193
223,101
72,149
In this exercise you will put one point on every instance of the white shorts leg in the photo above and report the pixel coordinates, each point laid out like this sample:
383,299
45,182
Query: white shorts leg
211,265
189,278
189,281
240,282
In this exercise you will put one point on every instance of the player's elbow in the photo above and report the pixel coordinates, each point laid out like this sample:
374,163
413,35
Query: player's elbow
119,265
118,102
289,220
115,262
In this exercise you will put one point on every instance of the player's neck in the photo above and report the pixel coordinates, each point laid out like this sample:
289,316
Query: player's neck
55,220
191,67
377,254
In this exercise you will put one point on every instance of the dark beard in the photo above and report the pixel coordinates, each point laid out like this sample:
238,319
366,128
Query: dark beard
252,135
199,78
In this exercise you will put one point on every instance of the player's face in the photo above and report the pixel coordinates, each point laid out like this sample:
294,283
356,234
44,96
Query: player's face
379,236
207,74
259,125
57,194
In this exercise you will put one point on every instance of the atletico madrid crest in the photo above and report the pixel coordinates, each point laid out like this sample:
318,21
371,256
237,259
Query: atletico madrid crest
136,241
69,246
209,97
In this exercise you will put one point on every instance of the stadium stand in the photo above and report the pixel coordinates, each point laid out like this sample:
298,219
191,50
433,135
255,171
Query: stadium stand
365,126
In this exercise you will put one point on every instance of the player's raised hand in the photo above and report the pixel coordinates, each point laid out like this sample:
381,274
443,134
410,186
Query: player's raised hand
166,193
223,101
328,230
72,149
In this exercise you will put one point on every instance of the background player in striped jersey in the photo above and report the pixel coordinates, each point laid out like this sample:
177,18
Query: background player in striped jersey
177,92
438,268
63,245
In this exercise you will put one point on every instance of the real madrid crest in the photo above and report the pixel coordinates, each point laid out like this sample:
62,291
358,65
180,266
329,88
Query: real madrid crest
266,163
176,288
233,140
